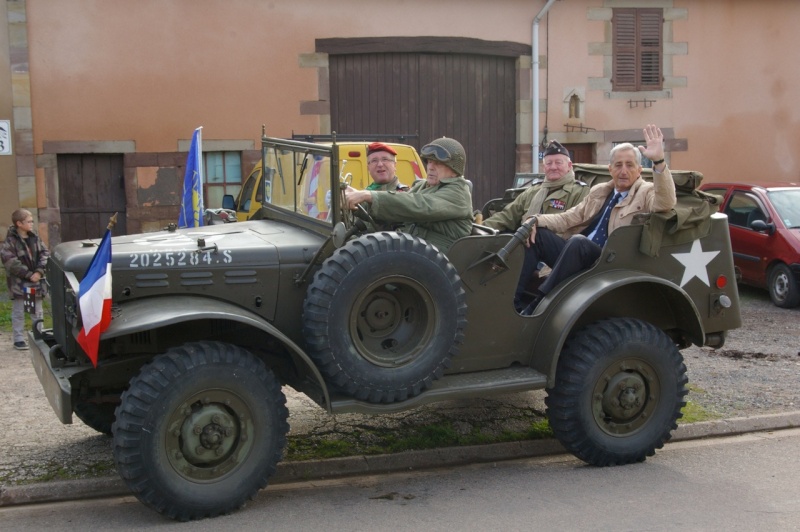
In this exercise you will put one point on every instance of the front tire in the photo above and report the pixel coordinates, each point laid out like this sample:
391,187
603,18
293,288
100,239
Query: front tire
200,430
783,289
619,389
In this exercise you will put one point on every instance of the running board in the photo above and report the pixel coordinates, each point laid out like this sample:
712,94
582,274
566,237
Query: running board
459,386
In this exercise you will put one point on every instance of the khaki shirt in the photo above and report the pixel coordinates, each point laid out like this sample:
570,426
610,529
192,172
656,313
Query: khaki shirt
558,201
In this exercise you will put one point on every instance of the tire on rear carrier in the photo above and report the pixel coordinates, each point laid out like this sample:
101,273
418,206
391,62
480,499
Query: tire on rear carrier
384,316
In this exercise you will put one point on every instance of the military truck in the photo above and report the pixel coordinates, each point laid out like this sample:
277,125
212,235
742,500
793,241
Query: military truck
209,324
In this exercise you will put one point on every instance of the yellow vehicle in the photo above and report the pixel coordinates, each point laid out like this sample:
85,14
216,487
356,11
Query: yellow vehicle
299,183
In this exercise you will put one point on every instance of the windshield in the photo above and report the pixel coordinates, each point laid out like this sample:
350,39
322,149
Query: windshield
787,203
298,181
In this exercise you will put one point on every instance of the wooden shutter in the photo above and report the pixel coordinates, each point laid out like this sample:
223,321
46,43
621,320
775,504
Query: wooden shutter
637,49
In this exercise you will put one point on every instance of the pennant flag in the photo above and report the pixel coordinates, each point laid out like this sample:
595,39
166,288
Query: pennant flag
94,299
191,214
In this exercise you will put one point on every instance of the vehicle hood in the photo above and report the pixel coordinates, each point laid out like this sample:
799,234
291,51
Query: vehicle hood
243,244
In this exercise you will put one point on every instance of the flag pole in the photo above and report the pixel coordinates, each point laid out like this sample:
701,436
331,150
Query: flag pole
112,222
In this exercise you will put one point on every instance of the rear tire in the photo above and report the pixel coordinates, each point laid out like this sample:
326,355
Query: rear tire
783,289
200,430
620,386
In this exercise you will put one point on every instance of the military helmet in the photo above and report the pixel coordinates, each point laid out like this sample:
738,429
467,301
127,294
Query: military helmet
447,151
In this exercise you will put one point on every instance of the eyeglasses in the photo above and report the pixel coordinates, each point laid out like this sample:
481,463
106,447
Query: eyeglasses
383,161
437,152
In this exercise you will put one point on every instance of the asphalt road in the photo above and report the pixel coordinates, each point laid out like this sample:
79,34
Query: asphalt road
746,482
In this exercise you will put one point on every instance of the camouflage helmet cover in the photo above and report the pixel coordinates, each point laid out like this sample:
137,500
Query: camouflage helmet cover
448,151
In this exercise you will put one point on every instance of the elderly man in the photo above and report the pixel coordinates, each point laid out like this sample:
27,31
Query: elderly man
382,165
438,209
608,206
557,192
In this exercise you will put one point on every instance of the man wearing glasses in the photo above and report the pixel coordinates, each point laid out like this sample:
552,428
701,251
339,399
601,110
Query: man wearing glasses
382,165
438,209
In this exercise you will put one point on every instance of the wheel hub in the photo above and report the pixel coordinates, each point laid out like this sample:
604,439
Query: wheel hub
625,397
380,313
208,435
392,321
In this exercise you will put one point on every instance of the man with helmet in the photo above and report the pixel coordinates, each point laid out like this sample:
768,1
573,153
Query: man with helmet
438,209
557,192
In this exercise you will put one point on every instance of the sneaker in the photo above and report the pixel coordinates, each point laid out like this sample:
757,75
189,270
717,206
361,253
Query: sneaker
20,346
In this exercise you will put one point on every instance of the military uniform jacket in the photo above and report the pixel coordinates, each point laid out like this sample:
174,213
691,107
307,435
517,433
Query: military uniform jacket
440,214
22,260
558,201
643,197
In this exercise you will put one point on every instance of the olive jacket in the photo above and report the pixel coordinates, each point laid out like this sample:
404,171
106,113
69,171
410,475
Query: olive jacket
440,214
22,260
558,201
643,197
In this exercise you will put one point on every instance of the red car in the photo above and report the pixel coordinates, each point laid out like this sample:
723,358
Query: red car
764,222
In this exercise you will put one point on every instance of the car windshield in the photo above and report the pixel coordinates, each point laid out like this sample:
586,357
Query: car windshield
787,203
298,181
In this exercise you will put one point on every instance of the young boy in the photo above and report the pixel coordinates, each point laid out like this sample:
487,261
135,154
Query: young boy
24,257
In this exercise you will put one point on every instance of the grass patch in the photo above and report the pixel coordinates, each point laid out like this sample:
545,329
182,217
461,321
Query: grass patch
694,413
389,441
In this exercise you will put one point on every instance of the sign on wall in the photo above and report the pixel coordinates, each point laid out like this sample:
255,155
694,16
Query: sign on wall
5,137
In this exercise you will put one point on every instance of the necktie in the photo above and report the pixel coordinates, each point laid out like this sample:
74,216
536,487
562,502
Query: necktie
601,229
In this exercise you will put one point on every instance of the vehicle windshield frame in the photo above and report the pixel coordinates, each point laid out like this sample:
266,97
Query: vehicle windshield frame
303,196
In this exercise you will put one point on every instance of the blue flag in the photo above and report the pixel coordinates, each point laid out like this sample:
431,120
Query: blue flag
192,199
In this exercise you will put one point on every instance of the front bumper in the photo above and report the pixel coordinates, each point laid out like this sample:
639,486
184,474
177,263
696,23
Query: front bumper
54,374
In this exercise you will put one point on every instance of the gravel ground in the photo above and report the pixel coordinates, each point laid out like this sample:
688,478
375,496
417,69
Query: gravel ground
757,372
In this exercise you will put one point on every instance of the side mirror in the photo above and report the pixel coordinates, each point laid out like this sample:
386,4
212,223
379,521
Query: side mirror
228,202
761,225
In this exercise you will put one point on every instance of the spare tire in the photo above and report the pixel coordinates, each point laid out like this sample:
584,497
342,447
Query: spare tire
384,316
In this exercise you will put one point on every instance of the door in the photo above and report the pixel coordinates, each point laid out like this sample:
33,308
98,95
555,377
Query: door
91,188
468,97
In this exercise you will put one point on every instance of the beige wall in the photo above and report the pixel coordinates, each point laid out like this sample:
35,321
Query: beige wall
153,71
145,74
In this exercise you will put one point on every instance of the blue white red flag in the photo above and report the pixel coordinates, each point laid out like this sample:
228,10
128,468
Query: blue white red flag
94,299
191,214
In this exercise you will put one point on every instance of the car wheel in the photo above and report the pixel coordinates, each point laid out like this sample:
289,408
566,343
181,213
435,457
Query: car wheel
200,430
783,288
384,316
98,416
619,389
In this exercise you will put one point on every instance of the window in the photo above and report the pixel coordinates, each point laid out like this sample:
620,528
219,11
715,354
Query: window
223,176
743,209
637,49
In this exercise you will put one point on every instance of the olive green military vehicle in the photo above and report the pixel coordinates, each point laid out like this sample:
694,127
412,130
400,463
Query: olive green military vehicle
209,324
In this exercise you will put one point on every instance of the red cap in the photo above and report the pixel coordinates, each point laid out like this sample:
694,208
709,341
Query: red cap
380,146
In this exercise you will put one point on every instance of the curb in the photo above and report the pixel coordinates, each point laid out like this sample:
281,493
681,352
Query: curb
66,490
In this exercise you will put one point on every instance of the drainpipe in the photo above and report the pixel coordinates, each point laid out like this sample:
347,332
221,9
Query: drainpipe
535,83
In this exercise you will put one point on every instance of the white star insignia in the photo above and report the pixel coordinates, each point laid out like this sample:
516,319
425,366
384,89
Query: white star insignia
695,263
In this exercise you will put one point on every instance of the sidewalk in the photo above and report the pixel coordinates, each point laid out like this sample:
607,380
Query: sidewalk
39,450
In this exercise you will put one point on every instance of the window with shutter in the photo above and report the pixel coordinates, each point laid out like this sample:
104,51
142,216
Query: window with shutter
637,49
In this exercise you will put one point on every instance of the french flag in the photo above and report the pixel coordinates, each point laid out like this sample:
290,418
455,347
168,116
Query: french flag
95,299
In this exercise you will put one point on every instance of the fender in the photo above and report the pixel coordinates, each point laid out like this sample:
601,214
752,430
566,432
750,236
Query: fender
138,315
571,306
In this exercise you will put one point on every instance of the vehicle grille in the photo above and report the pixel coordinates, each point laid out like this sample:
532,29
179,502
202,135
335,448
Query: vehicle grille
58,283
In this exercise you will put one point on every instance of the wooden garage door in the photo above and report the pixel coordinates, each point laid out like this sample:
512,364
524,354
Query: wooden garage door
91,188
468,97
